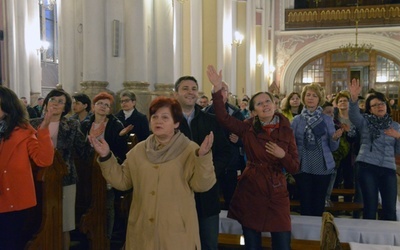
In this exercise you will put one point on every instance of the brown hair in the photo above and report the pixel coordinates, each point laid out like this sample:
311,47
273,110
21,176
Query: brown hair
171,103
103,95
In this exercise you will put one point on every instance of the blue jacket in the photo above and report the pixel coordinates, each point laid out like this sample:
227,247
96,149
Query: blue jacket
328,145
381,152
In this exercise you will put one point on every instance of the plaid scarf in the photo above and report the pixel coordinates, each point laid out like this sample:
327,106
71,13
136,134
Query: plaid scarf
375,124
313,128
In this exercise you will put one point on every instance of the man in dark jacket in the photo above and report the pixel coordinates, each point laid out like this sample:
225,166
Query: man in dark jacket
196,126
228,180
129,115
31,111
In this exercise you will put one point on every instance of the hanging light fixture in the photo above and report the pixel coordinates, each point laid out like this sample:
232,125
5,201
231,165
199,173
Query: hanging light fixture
355,49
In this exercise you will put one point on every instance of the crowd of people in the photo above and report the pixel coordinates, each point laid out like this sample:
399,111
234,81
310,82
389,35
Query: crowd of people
192,151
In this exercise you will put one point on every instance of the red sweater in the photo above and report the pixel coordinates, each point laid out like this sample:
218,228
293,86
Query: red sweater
17,190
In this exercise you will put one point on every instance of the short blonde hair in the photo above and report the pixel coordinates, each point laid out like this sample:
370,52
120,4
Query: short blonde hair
315,87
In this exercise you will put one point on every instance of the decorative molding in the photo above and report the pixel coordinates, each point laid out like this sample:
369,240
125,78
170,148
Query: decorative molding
286,47
382,15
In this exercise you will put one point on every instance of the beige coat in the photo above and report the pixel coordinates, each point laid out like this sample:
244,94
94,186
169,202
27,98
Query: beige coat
163,211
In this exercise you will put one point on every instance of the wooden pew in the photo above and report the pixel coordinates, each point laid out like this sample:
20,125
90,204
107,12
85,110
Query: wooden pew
232,241
343,191
48,212
337,206
94,222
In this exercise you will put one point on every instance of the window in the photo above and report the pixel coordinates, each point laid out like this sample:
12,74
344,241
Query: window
386,70
48,29
339,79
313,72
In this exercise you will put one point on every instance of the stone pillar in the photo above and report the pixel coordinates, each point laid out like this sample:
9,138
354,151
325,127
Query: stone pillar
92,88
164,89
137,22
164,39
251,56
226,52
23,72
68,60
196,41
94,40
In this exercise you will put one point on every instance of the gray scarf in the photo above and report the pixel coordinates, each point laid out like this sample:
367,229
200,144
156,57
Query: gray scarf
175,147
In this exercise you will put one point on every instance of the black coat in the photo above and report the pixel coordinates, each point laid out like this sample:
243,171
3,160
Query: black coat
207,203
139,121
118,144
237,160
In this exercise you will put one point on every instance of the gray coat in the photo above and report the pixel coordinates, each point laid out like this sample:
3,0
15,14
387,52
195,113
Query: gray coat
381,152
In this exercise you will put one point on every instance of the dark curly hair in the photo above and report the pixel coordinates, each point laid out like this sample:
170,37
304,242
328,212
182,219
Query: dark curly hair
380,96
15,113
59,92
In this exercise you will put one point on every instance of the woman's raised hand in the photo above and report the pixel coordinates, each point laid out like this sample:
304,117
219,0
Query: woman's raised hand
338,133
47,116
206,144
355,89
100,145
214,77
126,130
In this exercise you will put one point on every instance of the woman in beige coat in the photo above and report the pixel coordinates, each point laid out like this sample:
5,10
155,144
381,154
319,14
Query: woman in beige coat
164,171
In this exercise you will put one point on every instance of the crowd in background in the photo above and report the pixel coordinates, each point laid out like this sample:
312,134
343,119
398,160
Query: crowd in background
255,155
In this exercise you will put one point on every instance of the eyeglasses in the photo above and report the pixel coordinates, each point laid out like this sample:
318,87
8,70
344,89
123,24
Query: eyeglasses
380,104
56,101
125,100
106,105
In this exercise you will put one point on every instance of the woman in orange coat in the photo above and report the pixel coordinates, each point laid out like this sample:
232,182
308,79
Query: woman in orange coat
19,143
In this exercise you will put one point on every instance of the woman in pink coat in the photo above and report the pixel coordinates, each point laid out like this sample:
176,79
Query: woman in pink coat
261,199
19,143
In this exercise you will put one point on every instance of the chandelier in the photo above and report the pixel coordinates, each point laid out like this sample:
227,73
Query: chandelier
355,49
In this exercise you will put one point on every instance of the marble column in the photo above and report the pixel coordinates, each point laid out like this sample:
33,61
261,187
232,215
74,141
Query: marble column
68,32
251,56
23,72
226,52
35,70
164,41
196,41
94,45
137,30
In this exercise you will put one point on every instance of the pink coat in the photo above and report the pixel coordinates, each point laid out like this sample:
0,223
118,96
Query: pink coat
17,190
